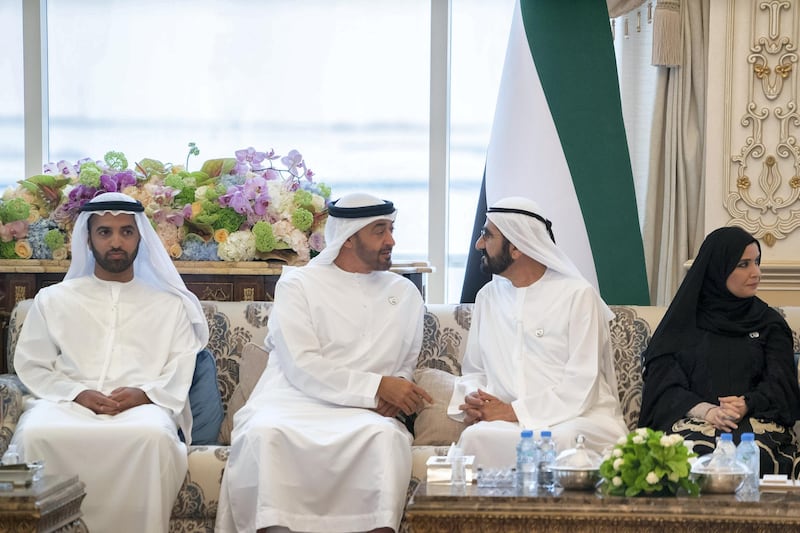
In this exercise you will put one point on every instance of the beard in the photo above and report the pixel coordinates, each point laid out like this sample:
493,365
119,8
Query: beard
499,263
115,266
380,260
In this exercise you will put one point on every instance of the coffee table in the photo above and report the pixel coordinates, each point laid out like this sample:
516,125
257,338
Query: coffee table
50,504
440,509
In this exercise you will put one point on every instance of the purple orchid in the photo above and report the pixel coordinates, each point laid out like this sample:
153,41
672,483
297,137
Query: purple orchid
249,159
293,160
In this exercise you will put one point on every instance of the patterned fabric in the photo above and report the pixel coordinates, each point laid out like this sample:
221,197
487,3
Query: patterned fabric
233,324
777,443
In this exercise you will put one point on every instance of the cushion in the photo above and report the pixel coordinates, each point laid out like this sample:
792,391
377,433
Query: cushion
205,400
433,427
254,361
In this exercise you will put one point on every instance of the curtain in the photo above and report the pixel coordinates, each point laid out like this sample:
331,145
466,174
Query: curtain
673,222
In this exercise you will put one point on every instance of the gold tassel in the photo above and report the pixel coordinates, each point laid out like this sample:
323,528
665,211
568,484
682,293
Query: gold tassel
667,42
649,12
626,28
638,22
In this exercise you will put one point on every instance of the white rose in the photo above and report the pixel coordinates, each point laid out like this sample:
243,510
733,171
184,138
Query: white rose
617,452
651,478
616,481
665,441
676,439
618,463
641,432
638,439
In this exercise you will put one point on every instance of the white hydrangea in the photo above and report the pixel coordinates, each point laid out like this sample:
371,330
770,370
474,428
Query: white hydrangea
239,246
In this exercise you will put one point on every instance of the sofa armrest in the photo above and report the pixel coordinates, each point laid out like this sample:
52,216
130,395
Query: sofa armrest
11,402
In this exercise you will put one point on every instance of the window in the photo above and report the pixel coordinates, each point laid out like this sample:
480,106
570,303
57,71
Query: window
12,155
345,82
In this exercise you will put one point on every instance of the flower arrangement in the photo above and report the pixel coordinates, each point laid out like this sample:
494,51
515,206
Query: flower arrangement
647,463
242,208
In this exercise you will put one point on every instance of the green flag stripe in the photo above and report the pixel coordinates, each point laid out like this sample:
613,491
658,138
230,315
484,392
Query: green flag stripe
577,69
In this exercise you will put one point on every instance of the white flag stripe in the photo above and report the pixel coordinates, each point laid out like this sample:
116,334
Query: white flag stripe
525,157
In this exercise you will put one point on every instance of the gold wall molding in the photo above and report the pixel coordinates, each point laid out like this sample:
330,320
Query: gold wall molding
763,186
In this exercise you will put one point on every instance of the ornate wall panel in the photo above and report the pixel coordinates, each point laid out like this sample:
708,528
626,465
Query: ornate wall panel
763,182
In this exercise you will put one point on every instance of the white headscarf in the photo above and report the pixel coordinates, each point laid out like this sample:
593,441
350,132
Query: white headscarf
532,237
152,264
339,229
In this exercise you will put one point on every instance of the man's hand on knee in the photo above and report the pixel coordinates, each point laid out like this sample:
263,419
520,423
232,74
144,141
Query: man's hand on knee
405,395
128,397
97,402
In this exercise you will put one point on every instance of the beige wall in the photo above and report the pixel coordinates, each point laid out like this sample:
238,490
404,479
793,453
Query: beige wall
753,134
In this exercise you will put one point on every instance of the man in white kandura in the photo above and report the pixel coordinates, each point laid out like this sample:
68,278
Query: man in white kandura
538,354
108,355
317,446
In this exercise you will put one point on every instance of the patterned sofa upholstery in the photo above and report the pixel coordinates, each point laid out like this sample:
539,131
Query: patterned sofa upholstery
235,324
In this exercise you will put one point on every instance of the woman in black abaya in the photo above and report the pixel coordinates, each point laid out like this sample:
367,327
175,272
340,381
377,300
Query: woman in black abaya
721,360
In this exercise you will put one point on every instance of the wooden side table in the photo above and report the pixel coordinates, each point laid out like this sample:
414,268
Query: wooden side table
51,504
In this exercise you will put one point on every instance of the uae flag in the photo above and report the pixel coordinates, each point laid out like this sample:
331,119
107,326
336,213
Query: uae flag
558,138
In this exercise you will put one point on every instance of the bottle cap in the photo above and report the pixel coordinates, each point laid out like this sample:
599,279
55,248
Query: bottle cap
526,433
748,437
726,437
546,433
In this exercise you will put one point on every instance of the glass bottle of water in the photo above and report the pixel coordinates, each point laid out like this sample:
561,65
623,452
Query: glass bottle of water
547,456
748,454
527,457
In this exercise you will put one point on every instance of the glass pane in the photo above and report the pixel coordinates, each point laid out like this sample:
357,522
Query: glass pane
345,82
12,132
480,35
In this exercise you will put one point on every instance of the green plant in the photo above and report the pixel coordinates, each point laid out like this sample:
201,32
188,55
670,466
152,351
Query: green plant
648,462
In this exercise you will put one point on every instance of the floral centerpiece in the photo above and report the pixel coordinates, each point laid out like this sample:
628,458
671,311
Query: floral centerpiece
648,463
233,209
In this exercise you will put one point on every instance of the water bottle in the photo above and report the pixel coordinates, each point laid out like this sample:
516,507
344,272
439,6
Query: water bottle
748,454
11,456
527,456
724,454
547,457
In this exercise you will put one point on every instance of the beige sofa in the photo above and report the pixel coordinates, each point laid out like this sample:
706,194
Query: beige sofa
238,328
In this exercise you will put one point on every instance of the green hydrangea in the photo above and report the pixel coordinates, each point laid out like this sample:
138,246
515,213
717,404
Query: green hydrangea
265,238
54,239
90,174
302,219
7,250
14,209
174,181
324,190
229,219
116,160
303,198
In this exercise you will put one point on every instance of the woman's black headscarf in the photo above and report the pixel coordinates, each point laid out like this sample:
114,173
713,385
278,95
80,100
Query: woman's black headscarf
703,300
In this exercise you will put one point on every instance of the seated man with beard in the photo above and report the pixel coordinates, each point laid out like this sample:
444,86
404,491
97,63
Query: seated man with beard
108,355
539,353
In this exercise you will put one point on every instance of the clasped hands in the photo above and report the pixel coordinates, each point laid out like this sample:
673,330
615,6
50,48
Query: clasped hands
397,394
480,405
121,399
731,409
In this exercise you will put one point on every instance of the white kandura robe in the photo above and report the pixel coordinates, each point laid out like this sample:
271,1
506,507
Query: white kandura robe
546,350
307,452
86,333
